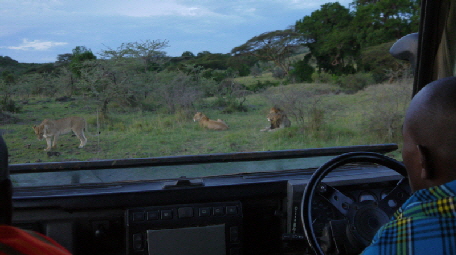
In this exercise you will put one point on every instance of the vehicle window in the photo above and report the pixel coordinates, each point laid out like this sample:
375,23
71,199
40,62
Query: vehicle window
108,80
446,54
164,173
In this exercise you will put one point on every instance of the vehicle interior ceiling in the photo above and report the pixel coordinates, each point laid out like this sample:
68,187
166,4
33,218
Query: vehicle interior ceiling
166,206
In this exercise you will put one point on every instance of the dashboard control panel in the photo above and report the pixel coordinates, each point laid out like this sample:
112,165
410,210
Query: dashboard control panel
208,228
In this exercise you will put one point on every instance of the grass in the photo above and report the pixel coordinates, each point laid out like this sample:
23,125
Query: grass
251,80
130,133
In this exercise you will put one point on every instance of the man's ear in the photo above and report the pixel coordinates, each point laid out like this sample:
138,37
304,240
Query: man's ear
427,170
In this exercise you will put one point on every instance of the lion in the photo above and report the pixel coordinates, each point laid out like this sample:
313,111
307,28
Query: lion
204,121
49,129
278,119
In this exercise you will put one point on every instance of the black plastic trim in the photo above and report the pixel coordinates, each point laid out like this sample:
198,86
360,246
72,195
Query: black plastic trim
196,159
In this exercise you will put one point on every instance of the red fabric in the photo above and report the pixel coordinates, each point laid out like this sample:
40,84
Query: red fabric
27,243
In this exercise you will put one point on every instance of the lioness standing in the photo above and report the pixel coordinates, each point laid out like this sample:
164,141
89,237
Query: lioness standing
53,128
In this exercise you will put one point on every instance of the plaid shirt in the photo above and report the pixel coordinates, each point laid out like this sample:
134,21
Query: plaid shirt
425,224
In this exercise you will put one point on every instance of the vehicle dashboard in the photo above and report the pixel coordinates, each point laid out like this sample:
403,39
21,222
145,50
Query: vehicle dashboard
249,213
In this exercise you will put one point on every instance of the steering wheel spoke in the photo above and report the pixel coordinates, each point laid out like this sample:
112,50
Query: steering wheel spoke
338,199
396,197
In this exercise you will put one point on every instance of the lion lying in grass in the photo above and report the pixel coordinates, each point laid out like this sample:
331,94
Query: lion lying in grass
49,129
208,123
278,119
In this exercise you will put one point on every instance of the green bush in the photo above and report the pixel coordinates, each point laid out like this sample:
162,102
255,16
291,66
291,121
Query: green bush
375,61
355,82
302,71
278,73
322,77
316,118
262,85
229,105
9,105
389,103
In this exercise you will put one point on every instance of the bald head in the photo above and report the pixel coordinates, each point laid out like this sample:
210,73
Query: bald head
430,135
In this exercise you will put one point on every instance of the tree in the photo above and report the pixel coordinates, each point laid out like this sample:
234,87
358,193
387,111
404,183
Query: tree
242,64
123,74
381,21
203,53
335,36
187,55
329,37
63,59
302,71
276,46
177,91
216,61
108,83
382,66
80,54
5,61
149,53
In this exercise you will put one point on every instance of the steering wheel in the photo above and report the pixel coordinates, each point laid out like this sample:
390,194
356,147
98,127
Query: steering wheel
361,219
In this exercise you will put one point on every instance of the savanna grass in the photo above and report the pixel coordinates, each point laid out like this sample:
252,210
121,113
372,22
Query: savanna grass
131,133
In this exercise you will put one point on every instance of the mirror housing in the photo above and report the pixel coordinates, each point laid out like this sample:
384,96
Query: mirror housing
406,48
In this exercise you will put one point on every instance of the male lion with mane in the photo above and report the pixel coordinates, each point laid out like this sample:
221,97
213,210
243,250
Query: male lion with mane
208,123
53,128
278,119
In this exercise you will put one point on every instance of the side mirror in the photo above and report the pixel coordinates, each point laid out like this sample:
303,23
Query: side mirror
406,48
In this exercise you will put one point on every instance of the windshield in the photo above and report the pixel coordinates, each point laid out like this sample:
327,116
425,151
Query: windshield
113,80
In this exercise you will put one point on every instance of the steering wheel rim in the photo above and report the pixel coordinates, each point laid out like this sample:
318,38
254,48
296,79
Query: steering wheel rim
325,169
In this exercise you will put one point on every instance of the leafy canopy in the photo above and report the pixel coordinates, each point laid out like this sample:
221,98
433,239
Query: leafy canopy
274,46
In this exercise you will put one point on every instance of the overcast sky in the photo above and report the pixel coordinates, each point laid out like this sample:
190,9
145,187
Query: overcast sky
36,31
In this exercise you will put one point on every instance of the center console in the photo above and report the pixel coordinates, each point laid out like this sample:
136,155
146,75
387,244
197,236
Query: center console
208,228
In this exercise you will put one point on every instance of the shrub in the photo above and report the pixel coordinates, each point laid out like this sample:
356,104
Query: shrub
6,101
9,105
231,96
255,71
316,118
260,86
302,71
355,82
234,107
278,73
176,90
384,119
375,61
322,77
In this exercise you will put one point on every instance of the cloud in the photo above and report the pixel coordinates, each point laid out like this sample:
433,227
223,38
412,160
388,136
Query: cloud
312,4
36,45
148,8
